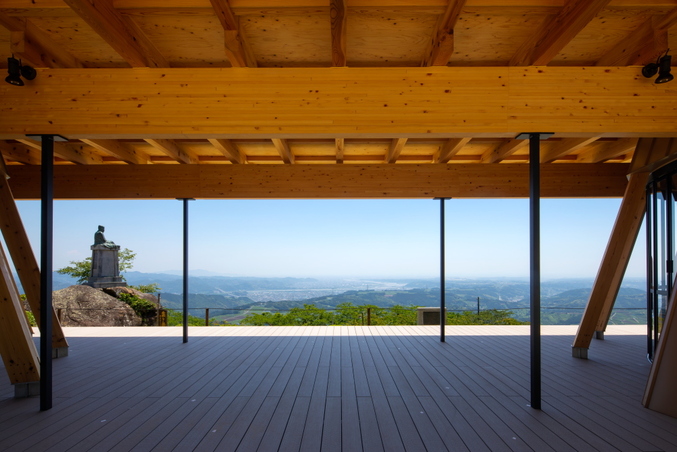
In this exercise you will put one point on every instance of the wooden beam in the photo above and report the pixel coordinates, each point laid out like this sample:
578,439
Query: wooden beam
320,181
642,45
119,150
614,262
172,149
229,150
506,149
235,45
283,148
120,32
26,265
450,148
441,45
20,153
17,348
76,153
653,153
556,32
565,147
395,149
338,13
616,149
436,102
340,149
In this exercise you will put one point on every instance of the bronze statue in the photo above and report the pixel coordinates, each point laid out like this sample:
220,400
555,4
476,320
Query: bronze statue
100,239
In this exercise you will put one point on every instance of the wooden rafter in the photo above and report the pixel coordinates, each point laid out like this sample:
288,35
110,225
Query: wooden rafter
172,149
340,149
120,32
395,149
119,150
72,152
441,46
283,148
229,150
450,148
642,45
556,32
504,150
338,14
565,147
653,153
235,45
616,149
20,153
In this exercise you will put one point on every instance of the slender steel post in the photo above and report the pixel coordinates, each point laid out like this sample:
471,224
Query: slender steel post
46,252
535,273
443,300
185,269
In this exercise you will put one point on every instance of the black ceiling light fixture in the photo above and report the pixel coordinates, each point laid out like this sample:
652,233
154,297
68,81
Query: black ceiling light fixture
17,70
662,67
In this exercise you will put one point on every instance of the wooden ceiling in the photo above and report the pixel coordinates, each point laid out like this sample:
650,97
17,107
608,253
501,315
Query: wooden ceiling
357,82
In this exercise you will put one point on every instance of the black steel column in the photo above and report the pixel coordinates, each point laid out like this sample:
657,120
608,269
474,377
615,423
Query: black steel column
443,300
185,268
46,251
535,273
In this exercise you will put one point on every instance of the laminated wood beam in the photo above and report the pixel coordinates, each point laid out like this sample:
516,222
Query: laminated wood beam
76,153
17,348
621,147
320,181
120,32
119,150
20,153
25,263
229,150
506,149
642,45
283,148
235,45
450,148
556,32
172,149
441,46
338,15
340,149
395,149
312,103
565,147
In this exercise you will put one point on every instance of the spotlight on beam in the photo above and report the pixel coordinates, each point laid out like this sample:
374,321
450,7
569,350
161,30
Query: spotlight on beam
17,70
660,67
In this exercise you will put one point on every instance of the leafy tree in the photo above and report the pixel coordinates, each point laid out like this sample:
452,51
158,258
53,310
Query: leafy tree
143,308
82,270
148,288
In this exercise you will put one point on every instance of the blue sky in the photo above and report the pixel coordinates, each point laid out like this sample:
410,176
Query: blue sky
357,238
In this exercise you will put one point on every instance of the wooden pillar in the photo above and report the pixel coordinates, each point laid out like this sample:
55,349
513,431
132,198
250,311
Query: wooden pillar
26,265
614,263
17,348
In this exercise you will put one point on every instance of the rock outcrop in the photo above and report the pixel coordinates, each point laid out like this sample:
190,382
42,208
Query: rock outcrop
86,306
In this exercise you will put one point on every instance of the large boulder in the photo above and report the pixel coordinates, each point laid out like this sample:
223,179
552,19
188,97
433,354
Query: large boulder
86,306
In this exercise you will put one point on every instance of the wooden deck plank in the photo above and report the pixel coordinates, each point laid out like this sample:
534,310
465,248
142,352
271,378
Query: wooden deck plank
338,388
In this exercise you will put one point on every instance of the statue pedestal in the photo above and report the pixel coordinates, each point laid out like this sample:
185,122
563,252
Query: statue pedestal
105,267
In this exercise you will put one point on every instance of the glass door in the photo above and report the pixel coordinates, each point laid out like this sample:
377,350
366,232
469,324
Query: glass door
660,220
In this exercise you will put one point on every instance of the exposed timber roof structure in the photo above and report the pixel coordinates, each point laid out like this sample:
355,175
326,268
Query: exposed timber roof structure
342,99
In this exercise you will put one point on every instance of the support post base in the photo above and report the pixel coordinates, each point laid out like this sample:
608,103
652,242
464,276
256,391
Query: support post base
579,352
28,389
599,335
59,352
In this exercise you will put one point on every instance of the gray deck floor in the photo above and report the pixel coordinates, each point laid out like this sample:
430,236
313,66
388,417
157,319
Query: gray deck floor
338,388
